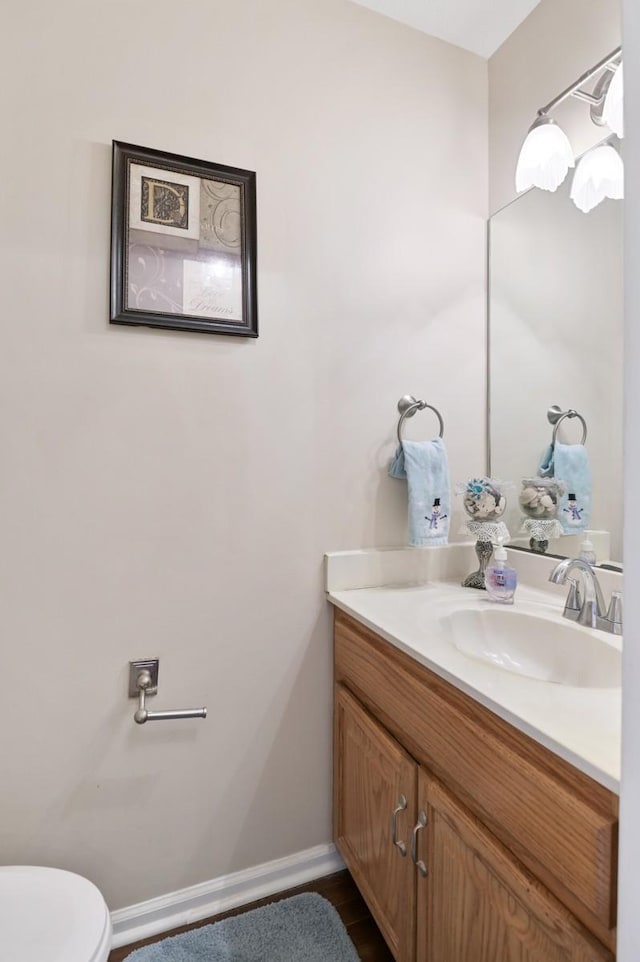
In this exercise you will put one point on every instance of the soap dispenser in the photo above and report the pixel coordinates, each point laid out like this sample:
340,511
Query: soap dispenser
501,579
587,551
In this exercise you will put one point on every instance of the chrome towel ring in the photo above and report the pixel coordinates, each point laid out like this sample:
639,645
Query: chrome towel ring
555,416
408,405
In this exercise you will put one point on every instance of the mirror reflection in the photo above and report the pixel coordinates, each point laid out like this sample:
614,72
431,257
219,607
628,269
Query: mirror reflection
555,368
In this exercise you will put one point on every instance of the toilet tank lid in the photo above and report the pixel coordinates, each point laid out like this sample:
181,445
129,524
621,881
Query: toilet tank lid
51,911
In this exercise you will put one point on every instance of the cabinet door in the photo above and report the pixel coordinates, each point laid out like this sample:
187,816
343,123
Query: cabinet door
478,904
372,776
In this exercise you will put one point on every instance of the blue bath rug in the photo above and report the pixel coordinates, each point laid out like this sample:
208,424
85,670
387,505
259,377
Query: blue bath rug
304,928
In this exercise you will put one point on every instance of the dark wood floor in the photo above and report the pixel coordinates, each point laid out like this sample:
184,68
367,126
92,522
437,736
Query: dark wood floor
339,889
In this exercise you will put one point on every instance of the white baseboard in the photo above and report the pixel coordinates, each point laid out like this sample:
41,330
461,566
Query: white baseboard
226,892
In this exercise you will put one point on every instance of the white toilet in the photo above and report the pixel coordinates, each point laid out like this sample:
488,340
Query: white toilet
48,914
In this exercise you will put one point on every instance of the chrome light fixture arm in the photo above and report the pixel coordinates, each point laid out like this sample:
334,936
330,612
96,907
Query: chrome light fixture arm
610,62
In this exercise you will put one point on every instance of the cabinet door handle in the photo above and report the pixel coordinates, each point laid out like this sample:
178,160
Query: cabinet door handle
421,823
400,807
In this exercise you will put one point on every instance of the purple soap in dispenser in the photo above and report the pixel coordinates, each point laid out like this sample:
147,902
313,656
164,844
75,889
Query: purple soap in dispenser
501,580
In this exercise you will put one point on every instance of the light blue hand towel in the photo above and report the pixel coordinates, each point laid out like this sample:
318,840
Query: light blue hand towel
570,463
424,465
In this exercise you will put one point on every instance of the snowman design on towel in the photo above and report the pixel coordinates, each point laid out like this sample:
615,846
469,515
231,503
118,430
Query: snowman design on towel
435,515
575,513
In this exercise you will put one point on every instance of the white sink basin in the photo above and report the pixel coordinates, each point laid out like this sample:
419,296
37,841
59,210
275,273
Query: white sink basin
543,648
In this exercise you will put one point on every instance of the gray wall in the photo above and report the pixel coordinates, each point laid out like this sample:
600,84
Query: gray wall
173,494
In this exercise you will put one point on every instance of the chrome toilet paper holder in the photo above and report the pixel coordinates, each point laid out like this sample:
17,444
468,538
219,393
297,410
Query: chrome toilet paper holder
143,683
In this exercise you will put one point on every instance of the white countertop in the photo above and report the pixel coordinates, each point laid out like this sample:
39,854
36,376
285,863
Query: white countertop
581,725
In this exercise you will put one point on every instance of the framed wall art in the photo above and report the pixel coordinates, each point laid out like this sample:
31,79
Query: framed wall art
183,243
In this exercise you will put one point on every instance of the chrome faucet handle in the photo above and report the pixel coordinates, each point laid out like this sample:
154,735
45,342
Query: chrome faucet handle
591,612
601,607
614,613
573,604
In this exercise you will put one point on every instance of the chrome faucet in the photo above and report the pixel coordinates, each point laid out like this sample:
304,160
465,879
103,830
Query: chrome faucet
585,602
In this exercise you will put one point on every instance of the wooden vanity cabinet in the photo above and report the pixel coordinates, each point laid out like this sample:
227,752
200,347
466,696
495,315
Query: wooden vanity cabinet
481,905
445,881
376,788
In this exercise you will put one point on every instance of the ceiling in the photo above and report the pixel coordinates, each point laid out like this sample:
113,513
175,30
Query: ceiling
477,25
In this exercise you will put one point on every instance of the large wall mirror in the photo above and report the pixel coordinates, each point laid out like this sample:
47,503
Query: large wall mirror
556,338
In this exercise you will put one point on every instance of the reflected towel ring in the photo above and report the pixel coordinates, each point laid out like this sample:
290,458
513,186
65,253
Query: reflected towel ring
408,405
555,416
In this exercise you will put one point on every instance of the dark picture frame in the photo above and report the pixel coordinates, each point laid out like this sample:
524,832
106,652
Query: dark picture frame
183,243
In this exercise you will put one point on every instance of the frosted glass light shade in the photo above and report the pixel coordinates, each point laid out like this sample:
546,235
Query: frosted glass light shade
545,157
599,174
612,113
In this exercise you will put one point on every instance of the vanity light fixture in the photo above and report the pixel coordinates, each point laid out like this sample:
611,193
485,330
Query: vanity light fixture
546,154
599,174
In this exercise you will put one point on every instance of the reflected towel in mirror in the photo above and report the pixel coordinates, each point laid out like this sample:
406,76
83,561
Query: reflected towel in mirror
570,463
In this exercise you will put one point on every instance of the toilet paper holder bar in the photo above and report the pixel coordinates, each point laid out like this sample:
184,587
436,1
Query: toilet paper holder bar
143,682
